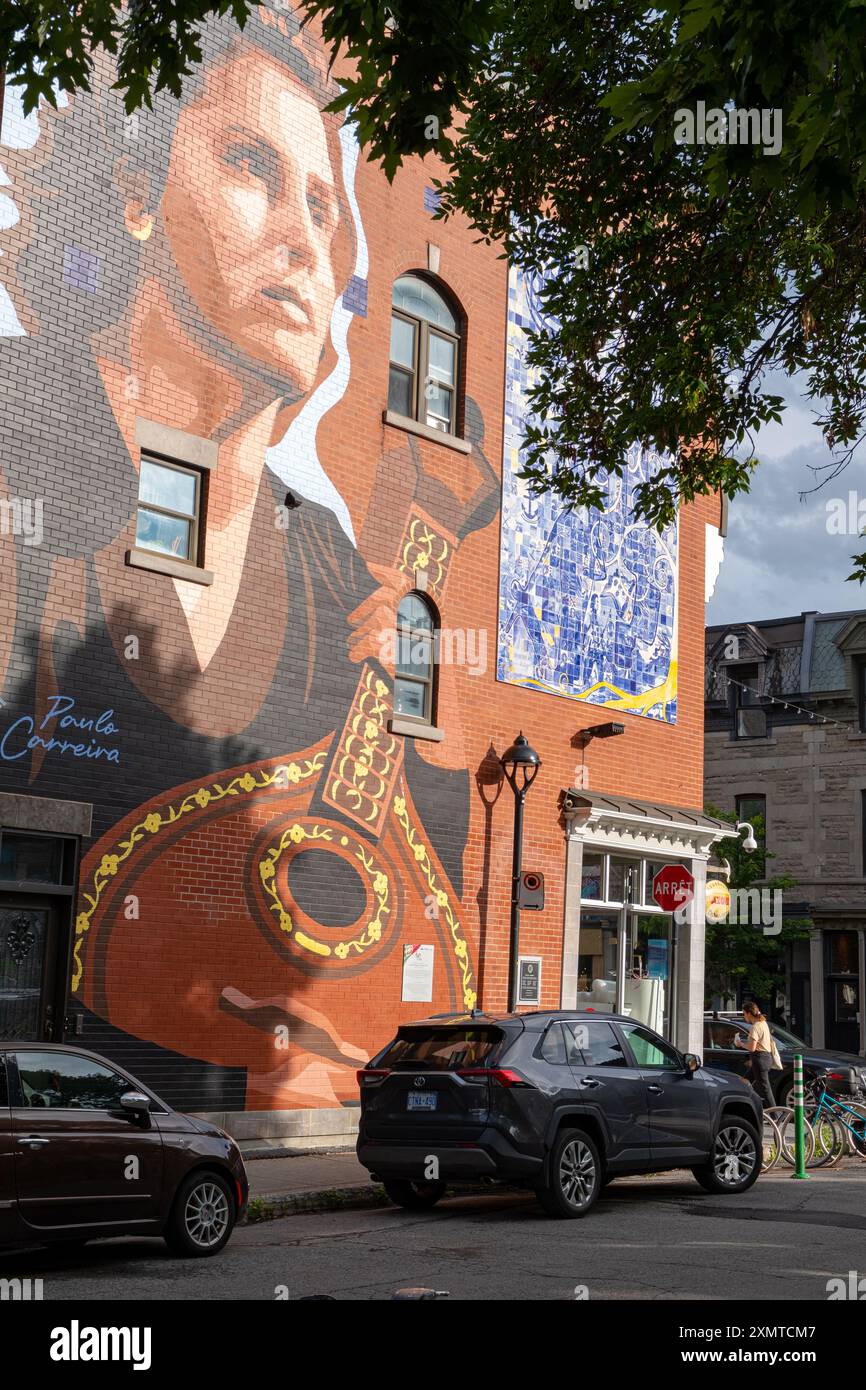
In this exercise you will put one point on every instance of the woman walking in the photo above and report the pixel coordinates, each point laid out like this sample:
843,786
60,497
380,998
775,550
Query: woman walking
763,1051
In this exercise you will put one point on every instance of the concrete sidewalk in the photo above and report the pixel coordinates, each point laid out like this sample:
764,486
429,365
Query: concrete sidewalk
309,1182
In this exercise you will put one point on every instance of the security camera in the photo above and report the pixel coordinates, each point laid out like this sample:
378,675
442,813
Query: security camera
570,802
750,844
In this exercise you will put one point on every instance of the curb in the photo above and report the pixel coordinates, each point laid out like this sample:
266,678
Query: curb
272,1208
359,1198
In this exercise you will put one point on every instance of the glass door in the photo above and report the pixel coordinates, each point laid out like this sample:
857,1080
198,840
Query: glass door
597,962
649,988
28,952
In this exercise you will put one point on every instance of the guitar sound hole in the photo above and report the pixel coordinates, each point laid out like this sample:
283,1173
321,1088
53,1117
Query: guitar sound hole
326,888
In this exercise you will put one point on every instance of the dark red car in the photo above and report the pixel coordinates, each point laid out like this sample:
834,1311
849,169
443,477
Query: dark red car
86,1151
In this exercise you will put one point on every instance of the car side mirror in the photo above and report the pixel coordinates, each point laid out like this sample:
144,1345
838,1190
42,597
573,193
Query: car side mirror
135,1105
691,1063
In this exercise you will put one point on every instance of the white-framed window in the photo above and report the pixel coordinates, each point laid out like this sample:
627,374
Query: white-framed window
169,510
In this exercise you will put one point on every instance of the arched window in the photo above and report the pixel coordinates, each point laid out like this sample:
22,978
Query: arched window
414,692
425,355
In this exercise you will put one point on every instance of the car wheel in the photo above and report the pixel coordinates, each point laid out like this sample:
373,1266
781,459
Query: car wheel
575,1176
414,1196
735,1161
202,1216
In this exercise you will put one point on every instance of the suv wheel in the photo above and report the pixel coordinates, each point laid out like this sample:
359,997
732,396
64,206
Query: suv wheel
574,1180
414,1196
202,1216
735,1161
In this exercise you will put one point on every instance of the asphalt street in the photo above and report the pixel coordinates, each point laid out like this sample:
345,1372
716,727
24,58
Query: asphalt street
662,1238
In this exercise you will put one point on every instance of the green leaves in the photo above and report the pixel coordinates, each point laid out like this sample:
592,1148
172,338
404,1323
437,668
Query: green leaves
711,264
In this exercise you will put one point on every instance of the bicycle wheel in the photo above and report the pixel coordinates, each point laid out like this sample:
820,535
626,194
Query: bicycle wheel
783,1116
771,1143
830,1142
855,1130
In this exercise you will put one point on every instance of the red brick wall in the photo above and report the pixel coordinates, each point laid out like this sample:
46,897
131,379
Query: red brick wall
184,966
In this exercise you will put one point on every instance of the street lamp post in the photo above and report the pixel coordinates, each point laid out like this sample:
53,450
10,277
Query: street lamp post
520,763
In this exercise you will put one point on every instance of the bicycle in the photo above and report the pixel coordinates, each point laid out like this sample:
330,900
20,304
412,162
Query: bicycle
835,1131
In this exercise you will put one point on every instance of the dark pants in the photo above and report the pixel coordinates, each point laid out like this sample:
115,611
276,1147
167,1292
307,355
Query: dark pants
761,1063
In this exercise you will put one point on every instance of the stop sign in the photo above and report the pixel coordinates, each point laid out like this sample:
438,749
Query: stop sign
672,887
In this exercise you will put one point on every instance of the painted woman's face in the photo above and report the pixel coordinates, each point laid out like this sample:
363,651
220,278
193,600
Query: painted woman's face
251,210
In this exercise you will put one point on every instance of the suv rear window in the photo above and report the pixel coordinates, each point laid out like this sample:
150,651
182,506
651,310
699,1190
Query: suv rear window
442,1049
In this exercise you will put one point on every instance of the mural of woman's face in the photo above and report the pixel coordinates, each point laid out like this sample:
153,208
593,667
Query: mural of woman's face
251,210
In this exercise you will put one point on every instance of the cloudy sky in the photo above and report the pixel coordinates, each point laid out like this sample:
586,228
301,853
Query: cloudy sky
780,558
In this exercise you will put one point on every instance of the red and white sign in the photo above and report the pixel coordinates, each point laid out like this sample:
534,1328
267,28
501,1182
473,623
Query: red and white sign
673,887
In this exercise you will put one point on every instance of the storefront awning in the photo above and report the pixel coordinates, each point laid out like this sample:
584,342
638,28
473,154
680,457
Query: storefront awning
624,822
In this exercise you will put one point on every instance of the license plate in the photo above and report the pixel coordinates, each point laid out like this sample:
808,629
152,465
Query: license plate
422,1100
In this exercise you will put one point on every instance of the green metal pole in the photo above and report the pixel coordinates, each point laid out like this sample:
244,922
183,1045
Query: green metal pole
799,1128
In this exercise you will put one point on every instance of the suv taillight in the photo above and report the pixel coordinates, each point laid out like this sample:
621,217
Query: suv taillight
502,1076
367,1074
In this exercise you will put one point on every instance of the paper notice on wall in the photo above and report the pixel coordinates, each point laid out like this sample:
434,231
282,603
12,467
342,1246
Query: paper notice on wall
417,974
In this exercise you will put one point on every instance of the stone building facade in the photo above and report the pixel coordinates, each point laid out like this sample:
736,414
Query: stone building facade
786,738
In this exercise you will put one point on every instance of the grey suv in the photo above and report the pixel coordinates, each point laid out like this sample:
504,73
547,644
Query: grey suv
562,1102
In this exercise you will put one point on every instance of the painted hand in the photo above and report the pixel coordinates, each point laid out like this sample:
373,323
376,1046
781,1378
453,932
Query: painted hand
375,619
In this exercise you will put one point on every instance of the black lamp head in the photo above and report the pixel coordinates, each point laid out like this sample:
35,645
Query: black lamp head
521,759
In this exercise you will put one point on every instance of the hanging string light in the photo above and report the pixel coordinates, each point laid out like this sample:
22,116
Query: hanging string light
787,704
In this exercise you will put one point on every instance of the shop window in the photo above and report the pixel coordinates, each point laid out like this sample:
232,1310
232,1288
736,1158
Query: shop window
843,953
425,356
414,687
624,884
169,510
592,877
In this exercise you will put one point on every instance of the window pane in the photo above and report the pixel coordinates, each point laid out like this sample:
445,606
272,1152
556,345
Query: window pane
167,487
30,857
399,392
844,952
591,885
553,1047
616,885
410,697
402,342
62,1080
414,655
598,1044
438,402
442,356
167,534
723,1036
751,723
649,1050
416,297
442,1049
413,612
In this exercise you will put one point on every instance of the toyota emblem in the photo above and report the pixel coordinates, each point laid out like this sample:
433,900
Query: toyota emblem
419,1081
